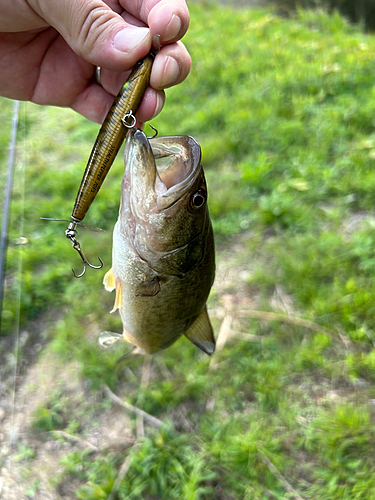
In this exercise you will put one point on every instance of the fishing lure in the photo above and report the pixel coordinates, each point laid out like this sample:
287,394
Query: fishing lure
120,118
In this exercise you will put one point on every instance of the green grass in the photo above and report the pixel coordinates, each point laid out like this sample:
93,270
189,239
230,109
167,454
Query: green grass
284,110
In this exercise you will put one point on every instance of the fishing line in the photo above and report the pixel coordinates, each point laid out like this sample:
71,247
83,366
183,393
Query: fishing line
21,188
8,197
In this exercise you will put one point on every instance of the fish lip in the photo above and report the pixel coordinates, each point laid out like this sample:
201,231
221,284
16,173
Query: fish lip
188,152
176,192
141,165
139,136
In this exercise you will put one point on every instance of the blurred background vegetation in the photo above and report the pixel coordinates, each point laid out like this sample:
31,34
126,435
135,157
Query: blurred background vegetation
284,110
357,11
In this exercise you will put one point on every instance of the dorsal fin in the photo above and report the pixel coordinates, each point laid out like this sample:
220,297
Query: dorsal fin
201,333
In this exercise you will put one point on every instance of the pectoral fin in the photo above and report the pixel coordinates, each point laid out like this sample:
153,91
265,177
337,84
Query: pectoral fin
109,281
110,284
148,288
201,334
118,298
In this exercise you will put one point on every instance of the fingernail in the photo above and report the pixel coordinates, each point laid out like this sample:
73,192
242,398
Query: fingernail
128,38
171,72
159,105
173,28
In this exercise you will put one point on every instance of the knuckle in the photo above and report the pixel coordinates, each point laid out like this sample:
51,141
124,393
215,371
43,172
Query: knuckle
91,26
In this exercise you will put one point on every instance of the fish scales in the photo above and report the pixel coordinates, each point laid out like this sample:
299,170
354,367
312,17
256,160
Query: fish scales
163,259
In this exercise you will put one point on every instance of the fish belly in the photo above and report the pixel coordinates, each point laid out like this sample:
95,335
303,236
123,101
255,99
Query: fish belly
152,323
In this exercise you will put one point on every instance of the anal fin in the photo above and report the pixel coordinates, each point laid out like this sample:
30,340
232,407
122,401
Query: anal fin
201,333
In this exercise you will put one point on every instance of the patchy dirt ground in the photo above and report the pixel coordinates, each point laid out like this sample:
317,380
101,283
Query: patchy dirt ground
103,425
30,458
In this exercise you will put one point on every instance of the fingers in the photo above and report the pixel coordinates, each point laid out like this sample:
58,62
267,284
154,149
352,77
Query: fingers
167,18
96,32
171,66
95,102
103,37
115,34
151,105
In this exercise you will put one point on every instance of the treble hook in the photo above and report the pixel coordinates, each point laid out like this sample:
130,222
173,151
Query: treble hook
155,132
71,234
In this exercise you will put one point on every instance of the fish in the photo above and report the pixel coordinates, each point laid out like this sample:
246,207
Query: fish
163,256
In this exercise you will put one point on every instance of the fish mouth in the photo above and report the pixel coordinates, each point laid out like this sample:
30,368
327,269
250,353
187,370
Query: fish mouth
169,166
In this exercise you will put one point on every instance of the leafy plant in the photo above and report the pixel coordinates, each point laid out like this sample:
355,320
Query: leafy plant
51,416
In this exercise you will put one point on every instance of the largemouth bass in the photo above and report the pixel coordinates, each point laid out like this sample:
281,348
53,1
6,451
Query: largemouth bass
163,261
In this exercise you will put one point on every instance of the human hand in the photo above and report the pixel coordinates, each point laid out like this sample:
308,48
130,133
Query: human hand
49,50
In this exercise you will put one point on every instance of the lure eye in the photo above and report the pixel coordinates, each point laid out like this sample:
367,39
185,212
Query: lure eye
198,200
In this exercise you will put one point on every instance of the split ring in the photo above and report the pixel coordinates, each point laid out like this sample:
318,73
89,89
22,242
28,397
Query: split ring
129,120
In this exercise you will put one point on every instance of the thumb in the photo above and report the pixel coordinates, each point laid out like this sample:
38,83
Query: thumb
95,32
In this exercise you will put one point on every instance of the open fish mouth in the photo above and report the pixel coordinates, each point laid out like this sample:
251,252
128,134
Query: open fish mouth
168,166
176,158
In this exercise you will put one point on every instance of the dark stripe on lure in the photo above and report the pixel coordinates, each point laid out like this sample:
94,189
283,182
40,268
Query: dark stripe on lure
119,119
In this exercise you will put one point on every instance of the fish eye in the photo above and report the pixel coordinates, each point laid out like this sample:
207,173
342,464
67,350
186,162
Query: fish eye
198,200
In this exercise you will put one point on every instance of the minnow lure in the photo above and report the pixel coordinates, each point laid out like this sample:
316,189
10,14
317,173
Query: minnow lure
120,118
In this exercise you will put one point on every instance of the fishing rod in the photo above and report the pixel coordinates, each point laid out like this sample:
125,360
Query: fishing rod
7,202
